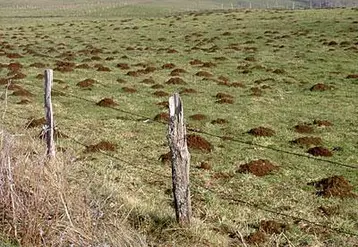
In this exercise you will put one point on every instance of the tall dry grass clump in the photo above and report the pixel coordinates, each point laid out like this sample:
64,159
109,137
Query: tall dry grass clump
49,202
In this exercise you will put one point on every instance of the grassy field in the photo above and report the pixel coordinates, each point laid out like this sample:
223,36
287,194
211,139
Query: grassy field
287,71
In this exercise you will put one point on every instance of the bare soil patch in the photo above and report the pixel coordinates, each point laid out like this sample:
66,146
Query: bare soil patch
198,117
101,146
157,86
106,102
83,66
335,186
160,94
223,96
129,90
320,87
175,81
256,238
322,123
123,66
196,62
205,165
86,83
261,131
272,227
148,81
22,92
33,123
164,104
219,121
308,141
225,101
352,76
204,74
162,117
188,91
304,128
320,151
166,158
259,167
177,72
168,66
199,143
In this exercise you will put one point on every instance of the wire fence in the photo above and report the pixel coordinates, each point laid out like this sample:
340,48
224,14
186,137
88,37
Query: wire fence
220,194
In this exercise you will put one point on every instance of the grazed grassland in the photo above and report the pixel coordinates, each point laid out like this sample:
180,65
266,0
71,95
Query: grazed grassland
292,72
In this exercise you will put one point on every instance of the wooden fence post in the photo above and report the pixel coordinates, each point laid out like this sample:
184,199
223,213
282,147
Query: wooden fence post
49,127
180,160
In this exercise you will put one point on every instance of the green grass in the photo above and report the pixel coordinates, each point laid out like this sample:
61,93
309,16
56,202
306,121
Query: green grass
259,42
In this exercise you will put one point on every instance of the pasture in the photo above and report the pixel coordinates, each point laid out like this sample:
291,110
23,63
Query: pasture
270,102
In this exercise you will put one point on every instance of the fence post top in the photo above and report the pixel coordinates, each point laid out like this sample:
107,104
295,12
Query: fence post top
175,105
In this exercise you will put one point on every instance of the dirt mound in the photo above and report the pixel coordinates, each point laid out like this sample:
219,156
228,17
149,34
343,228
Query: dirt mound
148,81
18,76
157,86
160,94
86,83
237,84
256,238
219,121
120,80
14,66
352,76
320,151
199,143
322,123
32,123
106,102
320,87
177,72
129,90
164,104
224,96
83,66
22,92
123,66
162,117
188,91
336,186
196,62
204,165
101,146
64,66
255,91
103,68
225,101
258,167
204,74
261,131
308,141
303,128
175,81
198,117
37,65
166,158
272,227
168,66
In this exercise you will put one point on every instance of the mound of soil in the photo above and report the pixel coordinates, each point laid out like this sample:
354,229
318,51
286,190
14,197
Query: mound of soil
132,73
352,76
261,131
271,227
322,123
303,128
103,69
14,66
24,102
225,101
148,81
204,165
177,72
83,66
219,121
157,86
237,84
18,76
37,65
204,74
255,91
308,141
188,91
336,186
86,83
120,80
166,158
101,146
160,94
168,66
164,104
123,66
129,90
198,117
320,151
35,123
106,102
162,117
175,81
196,62
258,167
199,143
22,92
224,96
320,87
256,238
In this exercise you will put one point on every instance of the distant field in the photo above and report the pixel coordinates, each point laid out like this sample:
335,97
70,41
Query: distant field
267,89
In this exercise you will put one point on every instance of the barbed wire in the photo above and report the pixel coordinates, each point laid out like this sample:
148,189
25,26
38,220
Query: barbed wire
222,195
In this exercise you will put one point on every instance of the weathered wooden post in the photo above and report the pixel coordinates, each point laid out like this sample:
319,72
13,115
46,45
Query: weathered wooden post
180,160
49,127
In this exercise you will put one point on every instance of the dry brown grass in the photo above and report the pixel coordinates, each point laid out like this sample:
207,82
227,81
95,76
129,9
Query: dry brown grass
50,203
